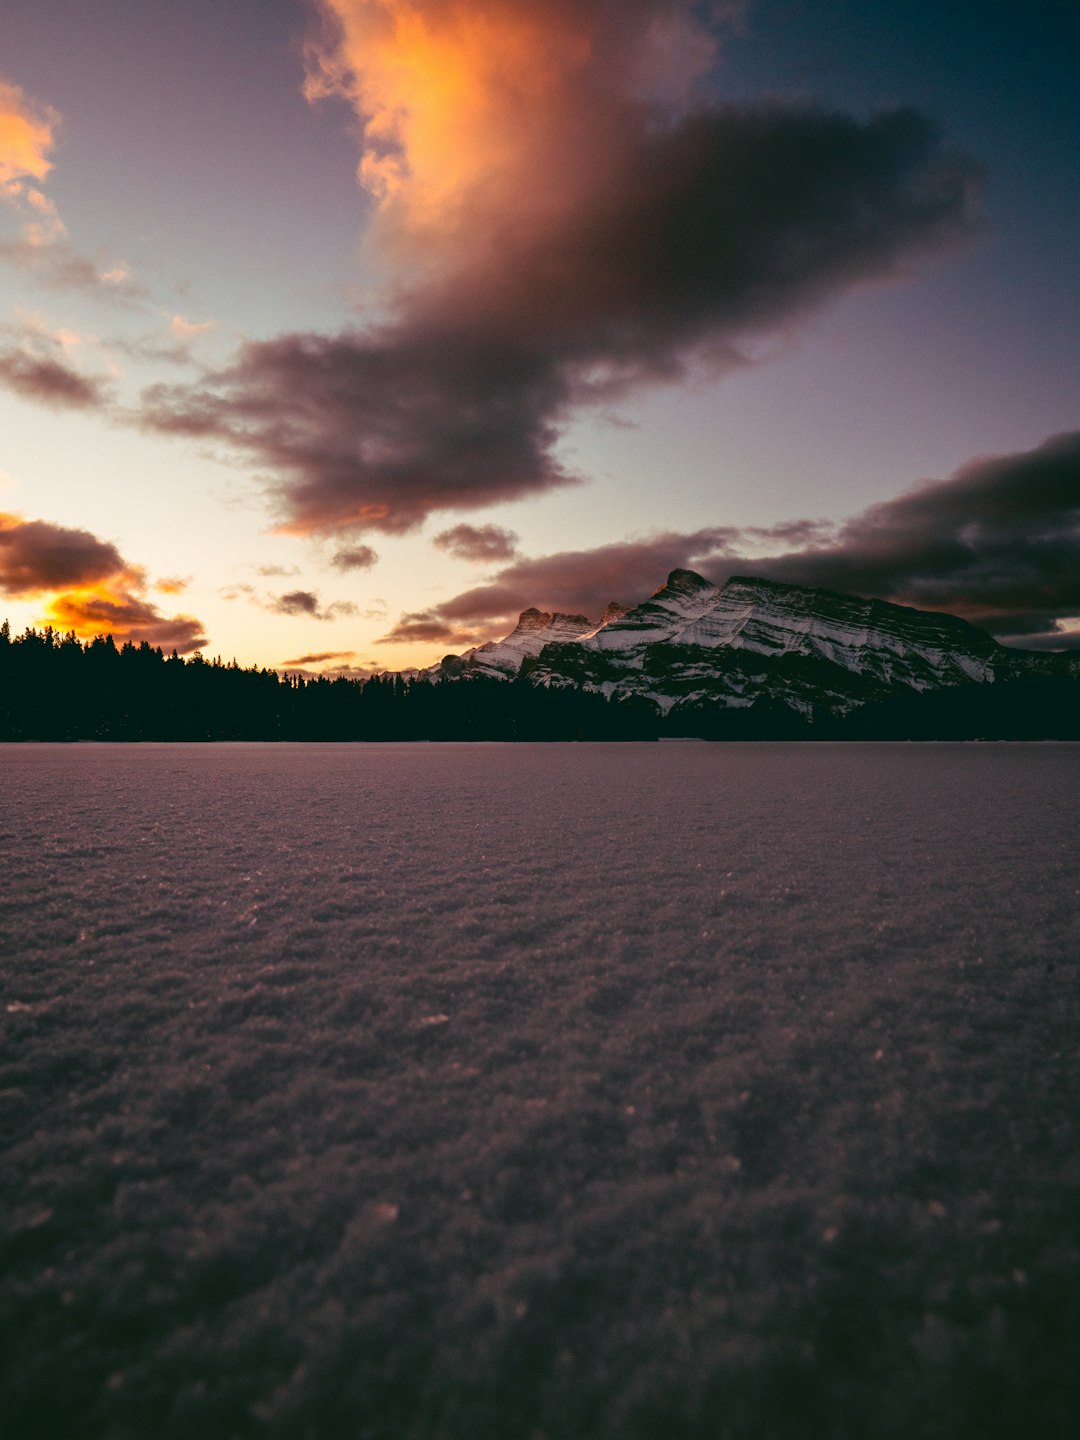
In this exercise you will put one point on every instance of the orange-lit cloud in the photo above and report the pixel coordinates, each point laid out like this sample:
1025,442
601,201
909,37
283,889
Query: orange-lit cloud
462,104
27,136
443,89
85,585
124,615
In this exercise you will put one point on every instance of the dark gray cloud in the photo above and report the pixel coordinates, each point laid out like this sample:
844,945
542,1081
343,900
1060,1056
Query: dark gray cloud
428,627
36,556
49,380
998,543
355,557
374,431
484,543
296,602
698,235
306,602
321,657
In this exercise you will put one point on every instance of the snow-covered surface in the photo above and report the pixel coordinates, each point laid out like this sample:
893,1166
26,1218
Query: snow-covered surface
436,1092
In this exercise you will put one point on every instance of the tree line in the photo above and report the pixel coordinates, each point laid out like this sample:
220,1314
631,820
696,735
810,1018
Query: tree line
55,687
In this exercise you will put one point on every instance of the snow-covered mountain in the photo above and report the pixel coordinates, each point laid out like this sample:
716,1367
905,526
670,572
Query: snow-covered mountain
813,650
503,658
694,644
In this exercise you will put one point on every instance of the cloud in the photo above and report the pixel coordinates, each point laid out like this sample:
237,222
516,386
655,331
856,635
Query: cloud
48,257
579,581
272,571
49,379
563,215
306,602
477,542
425,627
235,591
355,557
127,617
187,329
36,556
36,363
86,584
373,432
321,658
998,543
455,100
172,584
27,136
296,602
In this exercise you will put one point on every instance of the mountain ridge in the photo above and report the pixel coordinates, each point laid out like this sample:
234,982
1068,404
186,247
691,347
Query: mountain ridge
694,645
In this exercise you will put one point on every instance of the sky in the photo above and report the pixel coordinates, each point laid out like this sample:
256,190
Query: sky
333,333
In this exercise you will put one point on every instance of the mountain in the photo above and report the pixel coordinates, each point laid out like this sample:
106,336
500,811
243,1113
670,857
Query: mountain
695,647
503,658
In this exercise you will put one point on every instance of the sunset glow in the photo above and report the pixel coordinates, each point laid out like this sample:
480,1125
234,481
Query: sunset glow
80,585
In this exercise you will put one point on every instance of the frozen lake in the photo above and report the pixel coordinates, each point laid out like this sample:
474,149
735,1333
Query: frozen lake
540,1092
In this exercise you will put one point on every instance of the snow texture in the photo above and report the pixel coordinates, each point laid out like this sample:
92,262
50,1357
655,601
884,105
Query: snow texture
539,1092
